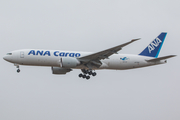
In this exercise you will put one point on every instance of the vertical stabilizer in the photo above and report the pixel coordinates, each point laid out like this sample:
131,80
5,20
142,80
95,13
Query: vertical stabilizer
153,49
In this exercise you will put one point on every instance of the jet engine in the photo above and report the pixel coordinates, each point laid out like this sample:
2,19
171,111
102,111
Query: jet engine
59,70
68,62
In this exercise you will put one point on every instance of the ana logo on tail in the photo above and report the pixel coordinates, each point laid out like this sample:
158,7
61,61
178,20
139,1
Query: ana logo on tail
153,49
154,44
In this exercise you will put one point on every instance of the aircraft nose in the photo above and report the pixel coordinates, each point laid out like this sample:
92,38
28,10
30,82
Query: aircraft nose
7,58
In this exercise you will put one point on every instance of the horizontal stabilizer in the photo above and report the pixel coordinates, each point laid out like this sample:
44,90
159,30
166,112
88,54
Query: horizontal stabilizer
160,58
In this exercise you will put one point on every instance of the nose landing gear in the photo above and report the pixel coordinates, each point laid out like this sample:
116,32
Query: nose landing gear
87,74
18,70
17,66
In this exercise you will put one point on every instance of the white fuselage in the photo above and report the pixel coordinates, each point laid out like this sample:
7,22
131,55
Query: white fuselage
37,57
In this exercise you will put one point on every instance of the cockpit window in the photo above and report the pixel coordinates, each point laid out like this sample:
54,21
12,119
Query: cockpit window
9,53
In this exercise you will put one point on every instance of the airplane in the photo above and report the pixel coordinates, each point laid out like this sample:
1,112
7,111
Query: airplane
62,62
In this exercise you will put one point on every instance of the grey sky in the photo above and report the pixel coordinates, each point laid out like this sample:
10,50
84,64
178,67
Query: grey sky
150,93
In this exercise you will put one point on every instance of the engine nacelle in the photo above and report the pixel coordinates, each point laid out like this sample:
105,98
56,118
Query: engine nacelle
68,62
59,70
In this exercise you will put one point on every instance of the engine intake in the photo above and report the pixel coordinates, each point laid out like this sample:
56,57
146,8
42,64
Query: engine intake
59,70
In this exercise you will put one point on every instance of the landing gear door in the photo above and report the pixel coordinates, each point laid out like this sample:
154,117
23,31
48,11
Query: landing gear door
21,54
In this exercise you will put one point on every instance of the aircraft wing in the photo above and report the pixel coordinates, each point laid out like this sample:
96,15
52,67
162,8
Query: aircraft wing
106,53
96,57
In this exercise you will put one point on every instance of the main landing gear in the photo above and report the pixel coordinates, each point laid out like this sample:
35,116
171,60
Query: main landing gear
86,74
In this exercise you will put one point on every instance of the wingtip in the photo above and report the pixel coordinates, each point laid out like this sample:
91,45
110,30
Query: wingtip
135,39
173,55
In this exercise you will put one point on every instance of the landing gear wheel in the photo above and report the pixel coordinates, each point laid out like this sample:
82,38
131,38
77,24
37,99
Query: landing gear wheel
94,74
80,75
90,73
85,72
18,70
87,77
84,76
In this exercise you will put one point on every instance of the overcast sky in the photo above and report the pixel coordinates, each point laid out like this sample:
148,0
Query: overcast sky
151,93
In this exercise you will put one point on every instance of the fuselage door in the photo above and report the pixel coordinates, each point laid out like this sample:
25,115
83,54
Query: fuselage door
21,54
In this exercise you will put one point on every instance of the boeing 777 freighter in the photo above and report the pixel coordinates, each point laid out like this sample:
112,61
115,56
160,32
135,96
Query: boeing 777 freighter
62,62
